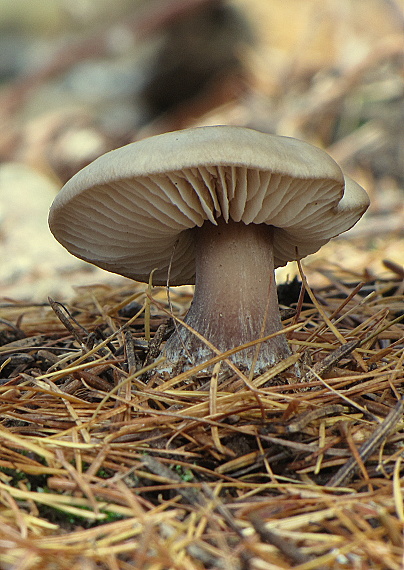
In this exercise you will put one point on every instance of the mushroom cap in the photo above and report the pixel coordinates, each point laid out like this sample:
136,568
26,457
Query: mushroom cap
133,210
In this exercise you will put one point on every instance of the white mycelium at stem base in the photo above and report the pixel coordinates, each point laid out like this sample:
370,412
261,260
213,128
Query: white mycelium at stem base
235,298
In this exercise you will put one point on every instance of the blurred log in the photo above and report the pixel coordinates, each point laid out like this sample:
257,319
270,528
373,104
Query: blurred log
154,17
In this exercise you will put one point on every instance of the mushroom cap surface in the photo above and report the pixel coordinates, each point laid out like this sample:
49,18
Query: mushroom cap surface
134,209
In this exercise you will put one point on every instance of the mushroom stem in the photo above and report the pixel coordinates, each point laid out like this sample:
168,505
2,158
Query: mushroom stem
235,298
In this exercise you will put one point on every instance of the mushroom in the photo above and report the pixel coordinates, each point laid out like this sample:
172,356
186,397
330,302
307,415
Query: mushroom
219,207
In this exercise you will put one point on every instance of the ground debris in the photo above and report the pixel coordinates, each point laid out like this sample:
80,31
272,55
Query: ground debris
105,463
90,441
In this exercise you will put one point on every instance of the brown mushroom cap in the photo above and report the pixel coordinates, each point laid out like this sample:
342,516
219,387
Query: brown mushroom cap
133,209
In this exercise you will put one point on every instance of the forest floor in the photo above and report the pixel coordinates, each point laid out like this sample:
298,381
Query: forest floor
104,463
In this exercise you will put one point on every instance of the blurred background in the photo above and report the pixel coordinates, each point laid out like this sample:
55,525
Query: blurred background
80,78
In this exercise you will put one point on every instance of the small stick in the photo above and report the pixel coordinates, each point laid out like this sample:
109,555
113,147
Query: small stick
287,548
303,447
394,267
155,343
13,327
130,351
191,496
329,361
302,420
347,471
228,517
60,311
